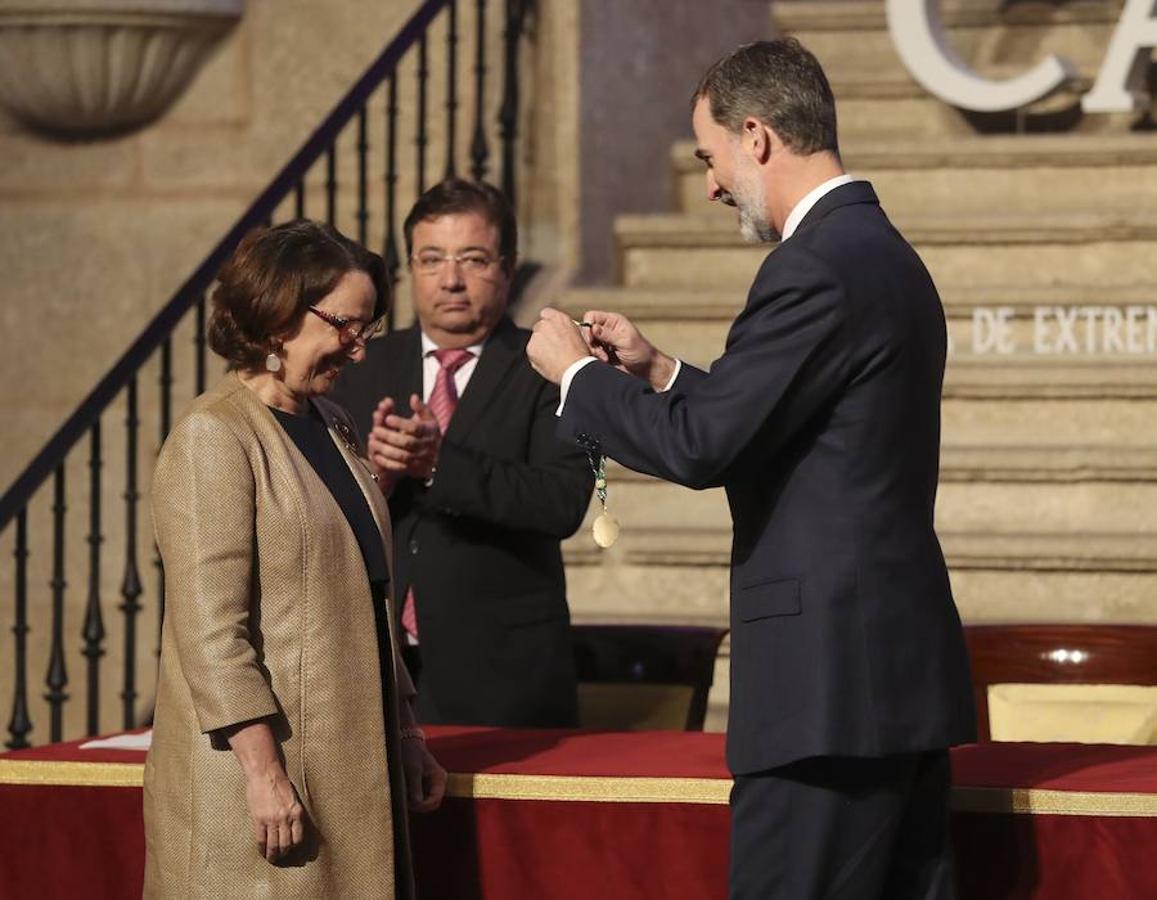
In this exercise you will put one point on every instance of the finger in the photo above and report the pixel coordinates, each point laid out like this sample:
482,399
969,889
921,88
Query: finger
433,786
437,786
391,437
380,434
414,792
297,825
386,454
404,441
415,426
421,410
270,843
550,314
384,408
380,449
284,836
259,834
599,319
602,334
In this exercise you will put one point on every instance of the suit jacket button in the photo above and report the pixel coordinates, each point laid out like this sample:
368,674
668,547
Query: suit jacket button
414,547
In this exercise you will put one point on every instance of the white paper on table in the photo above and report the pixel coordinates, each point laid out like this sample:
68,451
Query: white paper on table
141,741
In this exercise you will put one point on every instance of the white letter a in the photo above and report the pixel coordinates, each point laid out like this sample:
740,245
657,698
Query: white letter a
1120,84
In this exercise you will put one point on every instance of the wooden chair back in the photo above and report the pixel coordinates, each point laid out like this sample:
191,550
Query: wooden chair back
1058,654
634,677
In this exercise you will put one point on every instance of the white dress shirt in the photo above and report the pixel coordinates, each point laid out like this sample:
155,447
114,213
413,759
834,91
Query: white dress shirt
796,216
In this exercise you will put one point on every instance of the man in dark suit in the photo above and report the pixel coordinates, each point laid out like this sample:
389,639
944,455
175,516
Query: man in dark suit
481,488
821,419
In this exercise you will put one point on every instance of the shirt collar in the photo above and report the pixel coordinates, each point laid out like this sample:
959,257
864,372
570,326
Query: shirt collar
428,346
805,205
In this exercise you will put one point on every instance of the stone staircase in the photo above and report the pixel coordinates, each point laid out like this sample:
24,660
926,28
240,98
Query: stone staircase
1048,501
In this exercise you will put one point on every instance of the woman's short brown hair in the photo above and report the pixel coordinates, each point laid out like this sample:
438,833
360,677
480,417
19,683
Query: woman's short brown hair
273,277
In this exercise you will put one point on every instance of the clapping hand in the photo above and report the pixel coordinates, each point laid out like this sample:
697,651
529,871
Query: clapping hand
404,447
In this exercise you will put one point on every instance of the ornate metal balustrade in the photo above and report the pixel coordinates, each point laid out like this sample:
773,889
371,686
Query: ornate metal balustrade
358,171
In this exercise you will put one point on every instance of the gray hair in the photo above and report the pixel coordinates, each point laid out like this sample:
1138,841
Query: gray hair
780,83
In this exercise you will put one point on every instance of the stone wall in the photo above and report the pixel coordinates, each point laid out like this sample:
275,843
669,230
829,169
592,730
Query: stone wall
96,236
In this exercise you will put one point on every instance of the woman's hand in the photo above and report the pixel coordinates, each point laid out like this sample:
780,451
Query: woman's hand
425,779
277,814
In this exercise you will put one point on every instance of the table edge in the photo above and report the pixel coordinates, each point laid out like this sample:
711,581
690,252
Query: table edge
620,789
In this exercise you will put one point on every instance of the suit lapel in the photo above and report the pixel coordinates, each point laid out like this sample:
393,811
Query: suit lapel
409,369
501,353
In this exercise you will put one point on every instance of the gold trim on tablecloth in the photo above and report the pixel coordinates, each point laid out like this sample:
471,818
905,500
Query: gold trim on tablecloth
610,789
1037,801
70,773
606,789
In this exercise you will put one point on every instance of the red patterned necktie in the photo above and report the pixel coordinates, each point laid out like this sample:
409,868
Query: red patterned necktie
443,400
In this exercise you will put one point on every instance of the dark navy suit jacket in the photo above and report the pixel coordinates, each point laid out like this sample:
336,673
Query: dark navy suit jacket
822,421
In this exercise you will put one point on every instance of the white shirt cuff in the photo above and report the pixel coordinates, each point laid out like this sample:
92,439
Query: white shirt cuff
567,378
674,375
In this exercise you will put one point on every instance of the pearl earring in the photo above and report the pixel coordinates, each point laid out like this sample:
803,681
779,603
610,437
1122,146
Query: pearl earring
273,362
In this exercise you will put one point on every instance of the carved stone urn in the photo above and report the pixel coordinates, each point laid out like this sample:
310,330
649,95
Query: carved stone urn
97,68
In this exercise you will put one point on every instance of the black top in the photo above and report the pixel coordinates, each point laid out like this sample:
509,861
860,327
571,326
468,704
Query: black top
312,438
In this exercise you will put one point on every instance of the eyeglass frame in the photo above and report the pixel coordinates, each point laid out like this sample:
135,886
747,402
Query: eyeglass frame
345,336
461,259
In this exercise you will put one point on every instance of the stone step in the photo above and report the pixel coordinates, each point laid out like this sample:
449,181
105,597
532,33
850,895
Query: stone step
1063,320
982,490
675,575
836,17
850,37
1111,248
1043,173
960,301
1048,402
876,95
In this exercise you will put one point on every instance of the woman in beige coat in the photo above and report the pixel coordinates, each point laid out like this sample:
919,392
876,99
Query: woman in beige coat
284,743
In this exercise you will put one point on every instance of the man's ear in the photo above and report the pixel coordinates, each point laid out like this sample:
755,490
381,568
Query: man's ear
757,139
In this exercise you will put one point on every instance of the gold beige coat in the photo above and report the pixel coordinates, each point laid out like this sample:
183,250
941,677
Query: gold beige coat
268,613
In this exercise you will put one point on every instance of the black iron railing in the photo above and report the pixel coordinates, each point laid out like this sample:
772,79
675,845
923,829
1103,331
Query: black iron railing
382,87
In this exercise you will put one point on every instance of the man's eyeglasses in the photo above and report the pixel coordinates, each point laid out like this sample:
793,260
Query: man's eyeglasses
471,263
350,330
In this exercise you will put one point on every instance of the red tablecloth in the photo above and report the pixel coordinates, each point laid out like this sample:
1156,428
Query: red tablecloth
565,814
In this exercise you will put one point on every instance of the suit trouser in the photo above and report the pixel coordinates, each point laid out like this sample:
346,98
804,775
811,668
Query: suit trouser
838,827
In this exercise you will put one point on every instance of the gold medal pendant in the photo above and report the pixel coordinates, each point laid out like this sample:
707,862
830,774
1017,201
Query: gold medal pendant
606,530
606,526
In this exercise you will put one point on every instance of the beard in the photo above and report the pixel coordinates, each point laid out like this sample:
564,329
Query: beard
750,199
